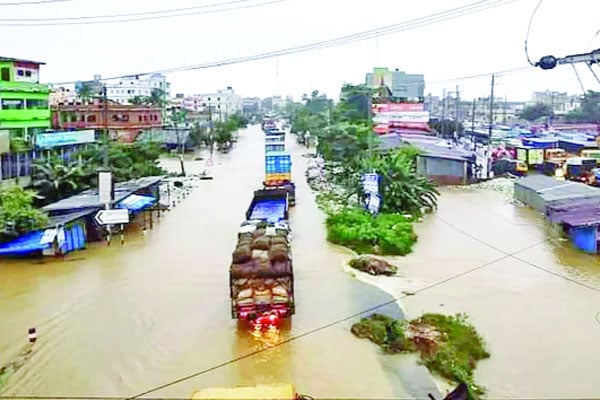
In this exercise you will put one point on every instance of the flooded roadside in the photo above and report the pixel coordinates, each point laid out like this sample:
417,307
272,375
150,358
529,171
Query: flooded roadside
532,296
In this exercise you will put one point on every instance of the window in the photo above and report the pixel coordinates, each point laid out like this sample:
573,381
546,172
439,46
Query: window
91,118
5,74
28,74
140,118
12,104
20,72
36,104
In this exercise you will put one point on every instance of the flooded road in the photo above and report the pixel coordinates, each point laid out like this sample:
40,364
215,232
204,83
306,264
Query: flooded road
120,320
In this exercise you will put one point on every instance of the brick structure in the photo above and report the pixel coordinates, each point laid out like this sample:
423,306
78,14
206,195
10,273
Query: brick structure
124,122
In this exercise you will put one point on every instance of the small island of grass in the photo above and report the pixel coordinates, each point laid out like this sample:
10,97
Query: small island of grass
448,345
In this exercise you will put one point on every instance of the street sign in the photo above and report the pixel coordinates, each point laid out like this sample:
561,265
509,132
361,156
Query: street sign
373,203
105,187
112,217
370,183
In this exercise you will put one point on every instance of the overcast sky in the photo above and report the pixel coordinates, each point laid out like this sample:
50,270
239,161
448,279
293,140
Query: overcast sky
469,45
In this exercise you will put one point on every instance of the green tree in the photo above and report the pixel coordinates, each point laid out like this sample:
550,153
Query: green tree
137,100
354,104
17,214
54,180
536,111
447,127
127,161
589,111
85,91
401,188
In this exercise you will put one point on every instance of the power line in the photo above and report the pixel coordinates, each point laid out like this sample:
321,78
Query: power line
25,3
328,325
529,30
174,10
472,8
77,20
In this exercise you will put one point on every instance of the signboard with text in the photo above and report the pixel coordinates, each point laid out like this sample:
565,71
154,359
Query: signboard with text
370,184
66,138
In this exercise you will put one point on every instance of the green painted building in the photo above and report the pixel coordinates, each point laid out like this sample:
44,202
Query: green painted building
24,108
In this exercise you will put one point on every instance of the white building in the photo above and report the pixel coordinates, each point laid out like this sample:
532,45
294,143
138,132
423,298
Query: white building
62,95
123,90
221,104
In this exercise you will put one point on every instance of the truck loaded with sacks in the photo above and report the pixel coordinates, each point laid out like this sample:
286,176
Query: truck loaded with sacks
261,273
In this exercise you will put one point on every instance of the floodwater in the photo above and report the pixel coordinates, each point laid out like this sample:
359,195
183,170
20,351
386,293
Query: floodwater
122,320
532,296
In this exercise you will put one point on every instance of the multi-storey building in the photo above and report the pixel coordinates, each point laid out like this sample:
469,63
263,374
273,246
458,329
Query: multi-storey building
24,109
222,104
124,122
406,87
124,90
561,103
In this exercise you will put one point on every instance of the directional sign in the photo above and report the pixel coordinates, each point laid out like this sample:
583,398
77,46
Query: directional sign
112,217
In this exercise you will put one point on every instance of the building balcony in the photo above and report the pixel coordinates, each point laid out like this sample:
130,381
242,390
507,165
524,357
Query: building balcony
24,115
25,87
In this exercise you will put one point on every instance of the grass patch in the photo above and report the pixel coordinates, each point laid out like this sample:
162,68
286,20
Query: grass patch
449,345
385,234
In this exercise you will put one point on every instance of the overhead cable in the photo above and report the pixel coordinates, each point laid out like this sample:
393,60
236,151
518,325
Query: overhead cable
476,7
84,19
529,30
33,2
136,14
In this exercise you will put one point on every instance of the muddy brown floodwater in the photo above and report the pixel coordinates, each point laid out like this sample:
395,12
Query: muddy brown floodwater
119,320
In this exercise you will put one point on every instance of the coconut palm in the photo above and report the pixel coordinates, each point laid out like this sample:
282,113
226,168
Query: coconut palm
53,179
401,188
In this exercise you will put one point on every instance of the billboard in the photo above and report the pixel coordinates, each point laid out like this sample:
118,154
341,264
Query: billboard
397,107
400,116
65,138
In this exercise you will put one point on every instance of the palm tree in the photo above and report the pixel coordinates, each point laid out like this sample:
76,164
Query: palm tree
401,188
85,91
54,180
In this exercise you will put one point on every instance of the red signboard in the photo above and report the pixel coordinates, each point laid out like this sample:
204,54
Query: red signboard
393,107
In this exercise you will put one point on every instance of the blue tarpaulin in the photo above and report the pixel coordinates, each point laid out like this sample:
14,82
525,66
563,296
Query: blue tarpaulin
270,210
136,202
24,244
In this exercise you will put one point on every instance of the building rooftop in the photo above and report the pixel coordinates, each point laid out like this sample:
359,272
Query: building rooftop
9,59
89,199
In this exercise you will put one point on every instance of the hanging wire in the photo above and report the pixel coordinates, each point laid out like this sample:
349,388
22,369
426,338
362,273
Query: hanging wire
579,79
589,64
529,30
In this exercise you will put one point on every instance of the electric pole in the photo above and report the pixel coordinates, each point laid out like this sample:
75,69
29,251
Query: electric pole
491,110
106,134
457,117
473,117
444,114
457,114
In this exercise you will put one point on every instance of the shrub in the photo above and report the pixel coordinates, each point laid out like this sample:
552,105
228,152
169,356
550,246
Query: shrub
385,234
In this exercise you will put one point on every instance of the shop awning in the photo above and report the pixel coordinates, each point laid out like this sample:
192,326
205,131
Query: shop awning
25,244
136,202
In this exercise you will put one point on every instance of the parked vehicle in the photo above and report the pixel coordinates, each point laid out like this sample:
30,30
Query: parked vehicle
278,173
261,274
271,392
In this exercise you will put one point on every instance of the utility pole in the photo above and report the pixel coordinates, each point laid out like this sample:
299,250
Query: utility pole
473,117
457,114
106,134
444,114
491,110
504,110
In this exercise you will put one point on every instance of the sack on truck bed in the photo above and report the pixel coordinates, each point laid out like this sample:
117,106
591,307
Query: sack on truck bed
242,254
278,254
278,240
261,243
259,232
